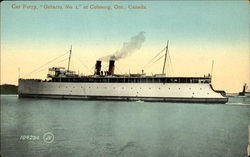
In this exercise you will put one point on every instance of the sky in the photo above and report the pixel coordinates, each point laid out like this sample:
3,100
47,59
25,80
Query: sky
32,34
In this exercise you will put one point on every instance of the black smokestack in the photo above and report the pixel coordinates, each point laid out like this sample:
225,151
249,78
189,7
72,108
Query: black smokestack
98,66
111,67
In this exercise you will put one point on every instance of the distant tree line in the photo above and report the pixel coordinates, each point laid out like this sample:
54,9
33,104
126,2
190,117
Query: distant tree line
8,89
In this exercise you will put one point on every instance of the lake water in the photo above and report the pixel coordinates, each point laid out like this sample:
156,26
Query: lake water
49,127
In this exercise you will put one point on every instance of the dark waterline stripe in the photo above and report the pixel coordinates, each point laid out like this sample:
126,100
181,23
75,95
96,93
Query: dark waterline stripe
129,98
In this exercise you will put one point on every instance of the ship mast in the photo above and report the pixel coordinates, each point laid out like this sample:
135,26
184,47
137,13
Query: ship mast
164,65
70,51
212,68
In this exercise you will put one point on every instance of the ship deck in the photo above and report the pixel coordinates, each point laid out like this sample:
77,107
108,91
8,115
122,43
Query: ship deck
114,79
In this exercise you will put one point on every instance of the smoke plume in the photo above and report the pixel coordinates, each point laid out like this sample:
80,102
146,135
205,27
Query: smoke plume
128,48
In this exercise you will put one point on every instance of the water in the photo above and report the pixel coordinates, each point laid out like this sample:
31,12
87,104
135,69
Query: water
123,129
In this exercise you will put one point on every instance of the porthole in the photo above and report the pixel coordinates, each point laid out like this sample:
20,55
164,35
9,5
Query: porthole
149,88
207,93
179,88
169,88
189,88
159,88
200,88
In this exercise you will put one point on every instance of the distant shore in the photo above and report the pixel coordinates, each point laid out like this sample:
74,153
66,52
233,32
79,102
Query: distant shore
8,89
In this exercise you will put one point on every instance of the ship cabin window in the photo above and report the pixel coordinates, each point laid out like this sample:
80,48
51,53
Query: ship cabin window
195,81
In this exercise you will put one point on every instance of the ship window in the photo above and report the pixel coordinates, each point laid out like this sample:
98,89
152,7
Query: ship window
89,87
140,87
122,87
169,88
193,93
131,87
96,87
149,88
207,93
159,88
113,87
200,88
179,88
189,88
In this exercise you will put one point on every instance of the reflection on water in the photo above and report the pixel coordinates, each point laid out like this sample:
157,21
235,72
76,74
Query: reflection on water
112,128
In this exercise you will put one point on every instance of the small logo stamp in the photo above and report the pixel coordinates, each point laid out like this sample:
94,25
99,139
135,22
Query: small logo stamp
48,137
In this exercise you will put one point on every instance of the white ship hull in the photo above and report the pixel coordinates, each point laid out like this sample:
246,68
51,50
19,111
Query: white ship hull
161,92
